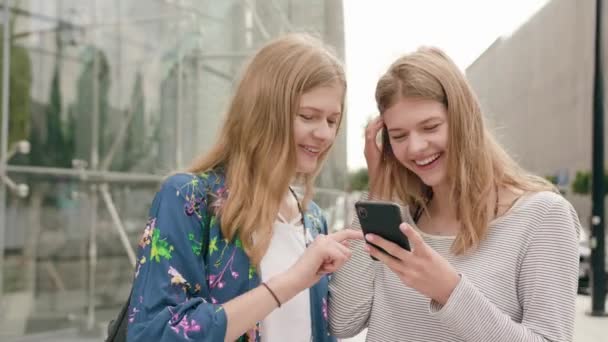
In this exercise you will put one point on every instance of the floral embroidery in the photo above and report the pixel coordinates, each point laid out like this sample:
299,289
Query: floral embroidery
132,314
176,277
184,240
315,222
213,245
147,235
220,197
134,310
185,326
251,271
160,247
139,264
197,246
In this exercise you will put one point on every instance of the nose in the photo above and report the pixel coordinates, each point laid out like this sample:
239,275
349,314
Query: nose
323,131
416,144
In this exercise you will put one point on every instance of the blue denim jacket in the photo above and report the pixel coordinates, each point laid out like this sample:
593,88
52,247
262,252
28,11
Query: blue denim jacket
186,269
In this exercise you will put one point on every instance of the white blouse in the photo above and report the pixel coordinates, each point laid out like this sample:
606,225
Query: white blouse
290,322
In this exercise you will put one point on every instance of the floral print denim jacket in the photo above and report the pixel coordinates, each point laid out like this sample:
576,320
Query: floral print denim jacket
186,269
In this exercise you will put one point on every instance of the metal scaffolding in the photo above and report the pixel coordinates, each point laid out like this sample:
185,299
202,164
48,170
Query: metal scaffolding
95,173
4,135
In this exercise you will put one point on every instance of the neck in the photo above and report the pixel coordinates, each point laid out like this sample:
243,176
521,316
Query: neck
440,205
289,205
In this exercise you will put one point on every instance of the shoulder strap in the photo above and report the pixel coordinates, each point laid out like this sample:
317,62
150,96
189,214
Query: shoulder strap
117,329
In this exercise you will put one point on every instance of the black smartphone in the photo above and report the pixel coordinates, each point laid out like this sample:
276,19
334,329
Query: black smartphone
383,219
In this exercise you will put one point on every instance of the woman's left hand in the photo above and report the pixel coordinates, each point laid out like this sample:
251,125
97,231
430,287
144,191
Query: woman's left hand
422,269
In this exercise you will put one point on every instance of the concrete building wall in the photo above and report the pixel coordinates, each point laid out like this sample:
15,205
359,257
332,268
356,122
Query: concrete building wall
536,90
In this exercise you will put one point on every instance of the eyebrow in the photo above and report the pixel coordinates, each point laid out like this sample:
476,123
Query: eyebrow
318,111
422,123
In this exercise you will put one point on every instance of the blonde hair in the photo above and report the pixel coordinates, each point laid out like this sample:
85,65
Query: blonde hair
256,143
476,163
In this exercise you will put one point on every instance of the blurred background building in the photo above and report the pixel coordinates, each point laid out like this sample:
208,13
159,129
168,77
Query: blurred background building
536,89
108,96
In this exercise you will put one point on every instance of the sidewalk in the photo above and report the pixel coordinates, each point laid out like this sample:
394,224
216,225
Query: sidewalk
586,329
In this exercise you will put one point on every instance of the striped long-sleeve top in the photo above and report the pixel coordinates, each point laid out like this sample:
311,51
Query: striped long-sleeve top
518,285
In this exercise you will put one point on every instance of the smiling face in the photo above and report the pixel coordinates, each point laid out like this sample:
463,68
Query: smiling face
418,134
316,124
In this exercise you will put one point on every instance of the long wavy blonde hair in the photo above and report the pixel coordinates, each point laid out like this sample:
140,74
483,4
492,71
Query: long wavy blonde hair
476,164
256,144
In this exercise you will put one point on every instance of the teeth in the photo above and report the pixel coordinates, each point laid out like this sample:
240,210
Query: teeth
311,150
427,161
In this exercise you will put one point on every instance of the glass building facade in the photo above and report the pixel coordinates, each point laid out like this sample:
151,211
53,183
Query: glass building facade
100,99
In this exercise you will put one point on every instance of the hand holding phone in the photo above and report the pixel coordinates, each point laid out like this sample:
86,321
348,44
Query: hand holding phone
382,219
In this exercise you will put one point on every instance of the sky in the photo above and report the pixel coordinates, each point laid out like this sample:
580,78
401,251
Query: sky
379,31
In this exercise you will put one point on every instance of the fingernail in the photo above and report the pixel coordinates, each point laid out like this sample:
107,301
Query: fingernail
369,237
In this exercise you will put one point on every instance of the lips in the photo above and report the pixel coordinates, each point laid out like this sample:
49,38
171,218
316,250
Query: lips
312,150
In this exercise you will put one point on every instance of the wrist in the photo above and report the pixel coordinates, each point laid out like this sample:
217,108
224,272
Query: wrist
449,289
285,286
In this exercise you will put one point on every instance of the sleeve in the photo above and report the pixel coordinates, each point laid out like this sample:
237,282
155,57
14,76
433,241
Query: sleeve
169,301
547,288
324,225
351,294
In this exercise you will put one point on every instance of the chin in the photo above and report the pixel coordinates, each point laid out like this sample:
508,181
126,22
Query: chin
306,170
433,181
306,165
430,184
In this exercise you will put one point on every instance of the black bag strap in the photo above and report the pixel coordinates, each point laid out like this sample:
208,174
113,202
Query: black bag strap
117,328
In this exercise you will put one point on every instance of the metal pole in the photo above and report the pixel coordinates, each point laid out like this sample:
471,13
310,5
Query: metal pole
598,248
120,228
282,16
6,60
257,20
178,109
118,140
91,176
92,254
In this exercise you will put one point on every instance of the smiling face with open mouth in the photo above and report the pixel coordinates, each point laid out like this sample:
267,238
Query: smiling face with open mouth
316,125
418,134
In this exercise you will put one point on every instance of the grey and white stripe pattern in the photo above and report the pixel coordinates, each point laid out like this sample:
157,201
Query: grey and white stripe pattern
519,285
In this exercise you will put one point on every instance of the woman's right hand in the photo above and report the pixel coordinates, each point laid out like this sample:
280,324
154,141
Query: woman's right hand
373,152
326,254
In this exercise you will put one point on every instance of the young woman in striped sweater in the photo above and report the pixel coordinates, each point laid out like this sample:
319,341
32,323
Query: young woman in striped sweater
494,249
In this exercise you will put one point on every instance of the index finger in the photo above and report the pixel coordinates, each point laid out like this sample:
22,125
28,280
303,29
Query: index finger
416,241
346,234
